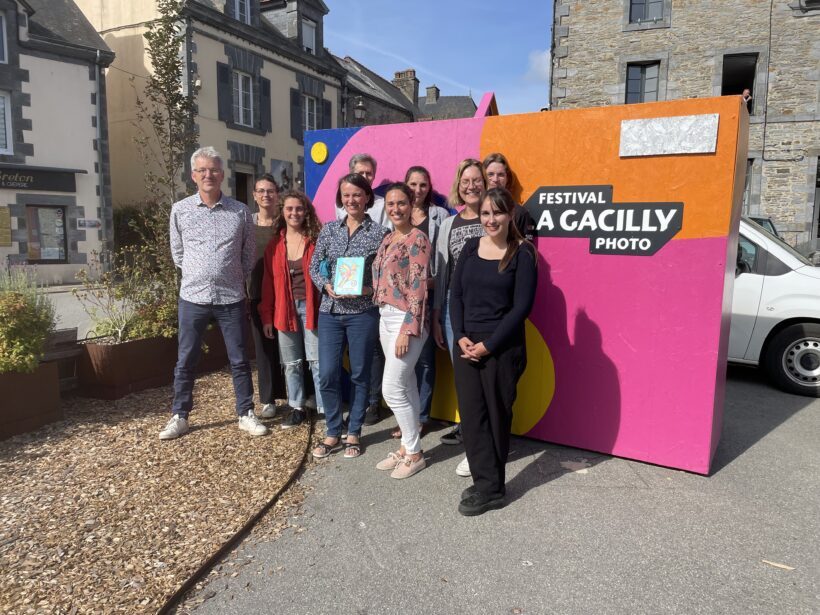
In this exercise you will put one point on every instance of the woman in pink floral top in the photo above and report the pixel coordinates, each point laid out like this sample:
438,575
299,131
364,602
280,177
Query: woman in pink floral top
400,290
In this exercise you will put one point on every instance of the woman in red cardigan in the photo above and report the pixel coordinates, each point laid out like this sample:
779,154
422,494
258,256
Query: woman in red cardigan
290,302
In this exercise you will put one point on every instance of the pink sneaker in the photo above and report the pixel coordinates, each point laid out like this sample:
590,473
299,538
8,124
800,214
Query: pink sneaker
393,460
408,467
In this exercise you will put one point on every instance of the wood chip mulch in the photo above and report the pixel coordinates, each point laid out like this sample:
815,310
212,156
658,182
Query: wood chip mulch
97,515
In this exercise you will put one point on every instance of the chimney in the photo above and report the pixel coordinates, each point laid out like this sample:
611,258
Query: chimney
432,95
406,81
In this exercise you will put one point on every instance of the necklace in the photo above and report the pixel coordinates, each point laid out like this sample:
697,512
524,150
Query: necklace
294,256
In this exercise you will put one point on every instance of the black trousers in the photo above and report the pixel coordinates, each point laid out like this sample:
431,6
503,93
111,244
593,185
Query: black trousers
271,376
486,392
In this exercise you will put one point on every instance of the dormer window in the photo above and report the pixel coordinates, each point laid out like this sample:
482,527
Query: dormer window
309,36
242,10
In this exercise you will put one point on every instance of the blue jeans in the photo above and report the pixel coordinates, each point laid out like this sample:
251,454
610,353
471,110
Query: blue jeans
359,332
296,348
193,319
426,376
376,375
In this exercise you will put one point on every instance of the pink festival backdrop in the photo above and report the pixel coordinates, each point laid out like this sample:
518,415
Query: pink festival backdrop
637,208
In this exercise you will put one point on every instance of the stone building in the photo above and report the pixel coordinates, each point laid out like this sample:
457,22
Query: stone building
611,52
55,201
375,99
434,106
260,74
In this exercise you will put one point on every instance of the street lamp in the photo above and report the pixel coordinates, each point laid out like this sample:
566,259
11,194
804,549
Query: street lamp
359,111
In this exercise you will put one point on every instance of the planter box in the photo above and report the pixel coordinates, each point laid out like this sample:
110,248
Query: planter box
112,371
29,400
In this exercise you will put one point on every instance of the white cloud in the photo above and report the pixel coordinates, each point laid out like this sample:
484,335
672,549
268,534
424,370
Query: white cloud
538,70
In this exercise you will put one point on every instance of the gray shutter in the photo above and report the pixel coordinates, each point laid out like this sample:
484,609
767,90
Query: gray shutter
296,115
264,104
224,92
327,114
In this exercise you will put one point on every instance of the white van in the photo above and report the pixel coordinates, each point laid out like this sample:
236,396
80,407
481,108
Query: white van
776,311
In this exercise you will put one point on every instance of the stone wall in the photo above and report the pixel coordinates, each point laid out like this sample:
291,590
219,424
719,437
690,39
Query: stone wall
594,42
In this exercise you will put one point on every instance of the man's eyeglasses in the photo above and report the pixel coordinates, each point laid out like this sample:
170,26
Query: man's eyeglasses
268,192
207,171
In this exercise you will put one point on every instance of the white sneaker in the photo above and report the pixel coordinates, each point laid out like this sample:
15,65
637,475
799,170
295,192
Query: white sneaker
251,424
176,427
463,468
268,411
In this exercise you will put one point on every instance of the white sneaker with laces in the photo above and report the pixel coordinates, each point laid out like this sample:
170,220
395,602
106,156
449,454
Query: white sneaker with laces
463,468
248,422
268,411
174,428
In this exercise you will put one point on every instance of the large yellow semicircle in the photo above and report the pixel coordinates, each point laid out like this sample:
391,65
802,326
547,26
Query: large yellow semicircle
535,389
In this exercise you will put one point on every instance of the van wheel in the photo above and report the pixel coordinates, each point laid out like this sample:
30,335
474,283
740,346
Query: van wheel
792,360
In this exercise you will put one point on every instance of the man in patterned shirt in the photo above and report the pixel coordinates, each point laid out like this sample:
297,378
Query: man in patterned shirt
213,243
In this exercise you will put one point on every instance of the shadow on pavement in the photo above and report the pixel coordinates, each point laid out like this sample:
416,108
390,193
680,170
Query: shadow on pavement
753,408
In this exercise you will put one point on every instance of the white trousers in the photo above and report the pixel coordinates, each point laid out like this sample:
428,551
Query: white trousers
399,387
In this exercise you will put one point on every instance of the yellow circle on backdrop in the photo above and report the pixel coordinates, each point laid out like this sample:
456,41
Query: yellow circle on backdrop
535,389
318,153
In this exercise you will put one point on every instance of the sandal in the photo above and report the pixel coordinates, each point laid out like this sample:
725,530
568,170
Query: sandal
323,450
352,450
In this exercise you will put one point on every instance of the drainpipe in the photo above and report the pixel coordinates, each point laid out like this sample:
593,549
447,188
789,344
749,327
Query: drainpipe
106,231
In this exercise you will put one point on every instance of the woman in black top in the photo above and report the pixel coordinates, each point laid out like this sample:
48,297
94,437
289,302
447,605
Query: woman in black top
491,295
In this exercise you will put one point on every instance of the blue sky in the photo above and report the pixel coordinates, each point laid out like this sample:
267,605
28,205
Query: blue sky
458,45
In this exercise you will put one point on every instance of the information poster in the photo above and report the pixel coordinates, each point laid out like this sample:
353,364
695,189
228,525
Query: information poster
5,227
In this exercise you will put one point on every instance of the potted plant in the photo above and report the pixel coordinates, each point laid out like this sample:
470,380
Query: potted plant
29,389
132,302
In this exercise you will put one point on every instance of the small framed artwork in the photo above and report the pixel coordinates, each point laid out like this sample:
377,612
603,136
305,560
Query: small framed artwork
349,275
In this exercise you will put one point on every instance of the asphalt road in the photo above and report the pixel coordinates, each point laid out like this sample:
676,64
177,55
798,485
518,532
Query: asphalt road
582,533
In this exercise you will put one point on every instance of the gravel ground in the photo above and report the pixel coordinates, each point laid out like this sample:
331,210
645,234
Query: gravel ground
97,515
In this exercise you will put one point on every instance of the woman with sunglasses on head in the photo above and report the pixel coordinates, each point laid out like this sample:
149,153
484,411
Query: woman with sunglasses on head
427,217
350,321
290,303
500,175
269,371
400,290
491,295
469,184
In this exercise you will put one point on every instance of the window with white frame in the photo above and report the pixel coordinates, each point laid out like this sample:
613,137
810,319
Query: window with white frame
308,113
645,10
242,98
309,36
242,10
4,55
6,134
642,82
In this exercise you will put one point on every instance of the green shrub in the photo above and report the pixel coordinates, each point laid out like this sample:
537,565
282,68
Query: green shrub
26,319
130,297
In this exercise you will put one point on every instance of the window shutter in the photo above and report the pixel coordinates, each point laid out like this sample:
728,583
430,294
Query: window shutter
224,92
4,138
327,114
264,104
296,115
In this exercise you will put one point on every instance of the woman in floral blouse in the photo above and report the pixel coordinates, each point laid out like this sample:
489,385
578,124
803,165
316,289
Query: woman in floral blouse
400,290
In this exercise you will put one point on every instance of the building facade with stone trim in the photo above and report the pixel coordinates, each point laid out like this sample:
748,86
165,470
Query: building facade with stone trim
610,52
55,198
260,76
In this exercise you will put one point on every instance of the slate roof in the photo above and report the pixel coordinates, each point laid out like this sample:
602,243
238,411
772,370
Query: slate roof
365,81
447,108
62,22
